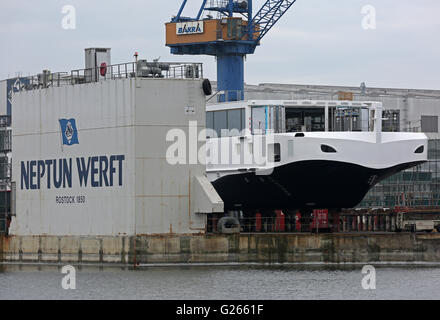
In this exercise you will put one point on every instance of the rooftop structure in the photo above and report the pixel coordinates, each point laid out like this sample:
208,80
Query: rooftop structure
139,69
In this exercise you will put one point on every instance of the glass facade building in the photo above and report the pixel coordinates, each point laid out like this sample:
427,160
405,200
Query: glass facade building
415,187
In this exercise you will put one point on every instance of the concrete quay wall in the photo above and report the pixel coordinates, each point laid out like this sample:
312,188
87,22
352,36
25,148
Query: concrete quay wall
244,248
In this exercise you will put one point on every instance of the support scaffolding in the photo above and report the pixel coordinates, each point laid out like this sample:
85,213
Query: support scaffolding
5,173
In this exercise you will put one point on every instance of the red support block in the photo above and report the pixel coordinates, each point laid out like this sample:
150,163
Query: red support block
258,223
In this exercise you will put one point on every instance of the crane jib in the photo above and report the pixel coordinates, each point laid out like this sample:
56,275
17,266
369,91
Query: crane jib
269,14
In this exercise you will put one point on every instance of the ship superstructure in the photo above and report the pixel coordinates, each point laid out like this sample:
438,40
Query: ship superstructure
303,154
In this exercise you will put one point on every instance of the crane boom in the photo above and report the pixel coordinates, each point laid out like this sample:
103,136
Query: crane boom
269,14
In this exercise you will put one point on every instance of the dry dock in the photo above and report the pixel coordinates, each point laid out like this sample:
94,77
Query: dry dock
240,248
96,180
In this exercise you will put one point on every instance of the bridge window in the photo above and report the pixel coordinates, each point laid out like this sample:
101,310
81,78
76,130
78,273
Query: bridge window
305,119
429,123
233,121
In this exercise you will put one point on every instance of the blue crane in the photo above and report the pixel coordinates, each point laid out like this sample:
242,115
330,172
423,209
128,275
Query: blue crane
234,33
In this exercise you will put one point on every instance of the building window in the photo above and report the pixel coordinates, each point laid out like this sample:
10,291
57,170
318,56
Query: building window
429,123
418,186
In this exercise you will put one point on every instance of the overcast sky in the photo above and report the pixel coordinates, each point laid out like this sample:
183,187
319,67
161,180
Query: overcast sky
316,42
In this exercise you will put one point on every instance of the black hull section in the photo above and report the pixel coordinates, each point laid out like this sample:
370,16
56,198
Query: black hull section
304,184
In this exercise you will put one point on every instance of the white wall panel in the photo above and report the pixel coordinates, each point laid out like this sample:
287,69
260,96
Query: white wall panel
105,128
129,117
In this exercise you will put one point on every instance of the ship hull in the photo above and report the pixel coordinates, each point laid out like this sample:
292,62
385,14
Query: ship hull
303,184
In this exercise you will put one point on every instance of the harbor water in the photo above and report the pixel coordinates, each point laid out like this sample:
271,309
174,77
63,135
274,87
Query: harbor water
234,282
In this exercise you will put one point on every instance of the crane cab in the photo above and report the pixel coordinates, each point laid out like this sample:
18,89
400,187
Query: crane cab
207,31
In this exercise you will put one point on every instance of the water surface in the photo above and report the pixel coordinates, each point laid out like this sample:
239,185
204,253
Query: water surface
254,282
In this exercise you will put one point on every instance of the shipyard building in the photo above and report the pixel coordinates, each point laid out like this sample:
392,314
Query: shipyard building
90,152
